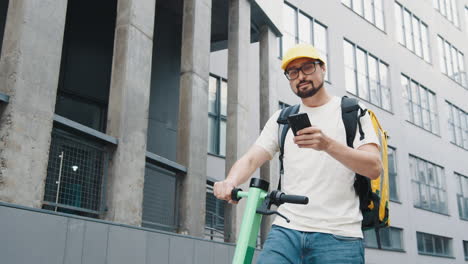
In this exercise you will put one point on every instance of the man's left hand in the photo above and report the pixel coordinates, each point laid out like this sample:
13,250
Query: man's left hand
312,137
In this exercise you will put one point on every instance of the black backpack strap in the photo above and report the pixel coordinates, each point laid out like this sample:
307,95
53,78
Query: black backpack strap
351,114
283,127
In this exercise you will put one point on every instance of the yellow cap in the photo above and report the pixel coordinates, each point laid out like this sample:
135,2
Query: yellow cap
300,51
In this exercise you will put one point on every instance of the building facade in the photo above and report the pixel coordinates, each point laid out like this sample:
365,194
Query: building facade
117,116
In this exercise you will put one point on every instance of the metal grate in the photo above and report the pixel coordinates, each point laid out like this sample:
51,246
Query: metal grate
214,218
76,175
160,199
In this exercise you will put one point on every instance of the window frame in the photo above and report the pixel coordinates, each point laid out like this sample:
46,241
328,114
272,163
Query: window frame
448,243
413,103
451,61
461,125
390,229
463,195
313,39
416,183
397,193
374,22
218,118
380,86
401,22
449,10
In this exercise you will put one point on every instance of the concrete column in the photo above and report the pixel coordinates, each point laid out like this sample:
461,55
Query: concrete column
128,109
237,137
29,72
193,118
269,66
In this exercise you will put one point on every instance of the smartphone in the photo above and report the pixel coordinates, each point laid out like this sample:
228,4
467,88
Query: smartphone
298,122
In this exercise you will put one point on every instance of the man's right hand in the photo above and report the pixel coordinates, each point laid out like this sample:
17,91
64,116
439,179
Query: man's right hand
222,190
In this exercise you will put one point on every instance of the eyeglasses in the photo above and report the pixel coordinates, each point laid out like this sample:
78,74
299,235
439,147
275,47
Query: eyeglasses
306,68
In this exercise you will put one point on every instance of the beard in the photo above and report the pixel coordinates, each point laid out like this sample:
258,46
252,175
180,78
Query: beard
309,92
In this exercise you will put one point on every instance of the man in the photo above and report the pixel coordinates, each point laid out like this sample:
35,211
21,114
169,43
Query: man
318,164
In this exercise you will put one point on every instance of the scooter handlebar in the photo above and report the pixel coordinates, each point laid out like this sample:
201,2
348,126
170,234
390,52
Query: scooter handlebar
234,196
295,199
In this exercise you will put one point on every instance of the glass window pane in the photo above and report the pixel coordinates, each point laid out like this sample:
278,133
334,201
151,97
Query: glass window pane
406,95
289,20
370,238
425,42
399,23
455,14
385,238
212,94
373,77
417,37
428,244
420,238
456,73
304,29
396,238
443,9
379,17
288,42
461,64
320,38
348,54
442,58
368,10
212,135
362,74
448,55
357,6
408,29
350,78
222,138
449,10
223,98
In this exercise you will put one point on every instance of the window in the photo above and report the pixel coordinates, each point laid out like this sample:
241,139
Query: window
429,188
462,195
465,249
390,238
217,114
371,10
366,76
448,9
3,16
214,218
86,63
452,62
434,245
392,173
76,175
458,126
466,17
300,28
412,32
160,198
420,105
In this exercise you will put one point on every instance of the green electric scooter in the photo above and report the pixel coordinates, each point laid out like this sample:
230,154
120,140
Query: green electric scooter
258,204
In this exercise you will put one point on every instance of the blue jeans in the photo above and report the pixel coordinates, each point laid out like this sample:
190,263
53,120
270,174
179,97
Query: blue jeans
289,246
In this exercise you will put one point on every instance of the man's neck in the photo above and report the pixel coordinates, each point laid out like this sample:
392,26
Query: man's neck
319,99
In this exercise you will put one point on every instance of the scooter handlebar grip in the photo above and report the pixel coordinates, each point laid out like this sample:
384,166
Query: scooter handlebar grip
234,194
295,199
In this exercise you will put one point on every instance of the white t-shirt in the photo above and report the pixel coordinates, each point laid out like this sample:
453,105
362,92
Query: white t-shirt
333,204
